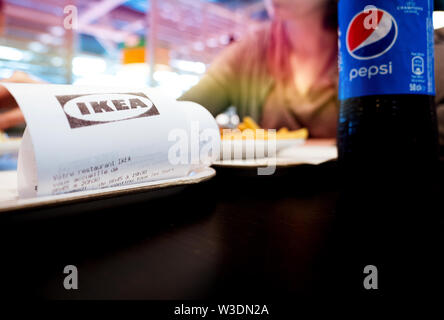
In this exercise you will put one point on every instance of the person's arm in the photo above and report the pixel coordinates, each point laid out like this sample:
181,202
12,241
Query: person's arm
216,88
12,115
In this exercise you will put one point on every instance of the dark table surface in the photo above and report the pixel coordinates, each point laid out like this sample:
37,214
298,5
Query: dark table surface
237,236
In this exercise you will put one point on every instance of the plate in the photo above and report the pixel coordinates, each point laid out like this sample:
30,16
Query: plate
311,153
9,200
11,145
251,149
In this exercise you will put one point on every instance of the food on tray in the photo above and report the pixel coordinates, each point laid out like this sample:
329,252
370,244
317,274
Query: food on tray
249,129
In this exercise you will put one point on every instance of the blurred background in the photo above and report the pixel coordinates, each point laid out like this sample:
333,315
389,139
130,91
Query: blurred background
161,43
167,44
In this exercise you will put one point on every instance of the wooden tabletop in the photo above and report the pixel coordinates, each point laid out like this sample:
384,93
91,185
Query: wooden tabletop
239,235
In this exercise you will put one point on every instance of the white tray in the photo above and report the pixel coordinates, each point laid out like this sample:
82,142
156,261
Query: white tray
9,200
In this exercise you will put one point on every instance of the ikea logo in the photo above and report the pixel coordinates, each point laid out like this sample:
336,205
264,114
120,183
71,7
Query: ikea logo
91,109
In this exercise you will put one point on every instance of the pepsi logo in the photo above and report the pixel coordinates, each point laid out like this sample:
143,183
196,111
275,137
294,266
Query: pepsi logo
365,42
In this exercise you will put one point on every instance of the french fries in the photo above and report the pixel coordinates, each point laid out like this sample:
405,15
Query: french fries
250,123
249,129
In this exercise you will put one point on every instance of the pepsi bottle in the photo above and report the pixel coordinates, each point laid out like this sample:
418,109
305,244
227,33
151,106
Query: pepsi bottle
386,85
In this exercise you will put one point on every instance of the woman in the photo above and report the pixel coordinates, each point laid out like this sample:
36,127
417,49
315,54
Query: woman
10,114
286,73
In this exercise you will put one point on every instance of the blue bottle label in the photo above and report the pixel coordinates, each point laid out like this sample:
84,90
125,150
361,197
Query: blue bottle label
385,47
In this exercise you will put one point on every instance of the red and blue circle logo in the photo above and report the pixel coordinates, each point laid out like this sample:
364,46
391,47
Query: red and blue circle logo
371,33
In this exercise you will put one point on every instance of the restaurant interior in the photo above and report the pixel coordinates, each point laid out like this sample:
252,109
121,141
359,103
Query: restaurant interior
113,41
227,232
